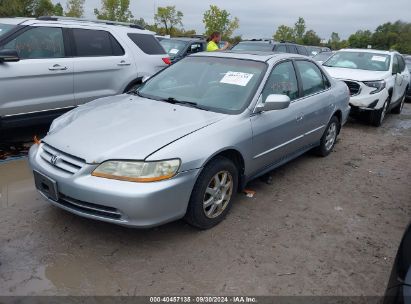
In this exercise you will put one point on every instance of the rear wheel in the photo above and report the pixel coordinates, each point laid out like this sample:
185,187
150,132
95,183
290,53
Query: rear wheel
212,195
377,116
329,137
398,109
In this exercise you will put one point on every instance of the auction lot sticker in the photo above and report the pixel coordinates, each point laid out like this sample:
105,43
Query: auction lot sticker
237,78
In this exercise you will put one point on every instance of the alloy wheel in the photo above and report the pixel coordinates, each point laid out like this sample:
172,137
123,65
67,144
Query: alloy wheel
331,136
218,194
384,111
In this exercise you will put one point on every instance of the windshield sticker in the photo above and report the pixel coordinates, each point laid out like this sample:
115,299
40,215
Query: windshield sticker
173,51
378,58
237,78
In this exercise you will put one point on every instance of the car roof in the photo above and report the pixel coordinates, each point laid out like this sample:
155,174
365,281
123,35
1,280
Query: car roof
76,21
187,39
368,51
14,21
249,55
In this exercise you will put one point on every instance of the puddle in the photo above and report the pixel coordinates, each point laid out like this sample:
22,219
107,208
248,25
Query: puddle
403,124
16,183
78,272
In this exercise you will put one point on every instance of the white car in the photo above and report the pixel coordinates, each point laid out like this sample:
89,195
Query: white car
49,65
378,80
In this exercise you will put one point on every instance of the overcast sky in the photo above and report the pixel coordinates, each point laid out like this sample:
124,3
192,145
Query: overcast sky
260,18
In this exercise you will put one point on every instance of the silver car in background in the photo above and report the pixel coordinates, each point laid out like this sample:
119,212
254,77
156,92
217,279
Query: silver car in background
192,136
50,65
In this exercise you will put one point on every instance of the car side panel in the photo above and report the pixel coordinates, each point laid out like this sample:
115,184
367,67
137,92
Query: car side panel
100,76
29,86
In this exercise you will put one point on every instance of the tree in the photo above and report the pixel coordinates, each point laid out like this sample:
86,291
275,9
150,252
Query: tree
75,8
334,41
395,35
311,38
43,8
299,29
284,33
169,17
219,20
12,8
361,39
115,10
58,9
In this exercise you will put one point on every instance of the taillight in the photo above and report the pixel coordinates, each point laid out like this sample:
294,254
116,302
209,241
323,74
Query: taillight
166,60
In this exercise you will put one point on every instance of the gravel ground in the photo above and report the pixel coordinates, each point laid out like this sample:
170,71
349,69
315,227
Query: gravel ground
324,226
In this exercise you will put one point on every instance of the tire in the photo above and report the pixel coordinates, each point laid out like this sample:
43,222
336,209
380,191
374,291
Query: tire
377,116
207,207
329,137
398,108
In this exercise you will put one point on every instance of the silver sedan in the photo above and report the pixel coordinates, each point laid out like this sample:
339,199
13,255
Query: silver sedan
189,139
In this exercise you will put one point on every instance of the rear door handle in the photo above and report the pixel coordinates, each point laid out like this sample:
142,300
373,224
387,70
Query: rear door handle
123,63
57,67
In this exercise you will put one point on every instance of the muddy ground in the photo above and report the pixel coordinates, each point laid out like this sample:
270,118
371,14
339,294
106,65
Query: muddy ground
325,226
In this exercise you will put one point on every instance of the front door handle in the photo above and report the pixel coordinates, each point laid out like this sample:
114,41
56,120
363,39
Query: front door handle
57,67
123,63
299,117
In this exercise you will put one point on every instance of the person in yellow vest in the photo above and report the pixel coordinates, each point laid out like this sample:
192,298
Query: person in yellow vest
213,41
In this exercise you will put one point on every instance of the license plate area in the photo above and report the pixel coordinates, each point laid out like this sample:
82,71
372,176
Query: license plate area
46,185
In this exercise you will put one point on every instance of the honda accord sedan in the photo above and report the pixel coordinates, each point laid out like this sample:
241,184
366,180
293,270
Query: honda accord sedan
184,143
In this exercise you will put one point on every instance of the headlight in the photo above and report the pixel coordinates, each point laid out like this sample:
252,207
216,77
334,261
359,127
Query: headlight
138,171
378,85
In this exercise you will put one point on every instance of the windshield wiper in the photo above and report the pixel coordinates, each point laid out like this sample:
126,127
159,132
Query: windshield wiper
174,101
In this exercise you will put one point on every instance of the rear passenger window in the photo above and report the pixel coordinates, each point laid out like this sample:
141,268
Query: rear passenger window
292,49
281,48
93,43
302,50
283,81
147,43
312,78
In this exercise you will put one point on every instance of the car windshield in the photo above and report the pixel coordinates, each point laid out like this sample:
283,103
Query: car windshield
359,60
408,63
4,28
313,50
252,46
172,46
223,85
322,56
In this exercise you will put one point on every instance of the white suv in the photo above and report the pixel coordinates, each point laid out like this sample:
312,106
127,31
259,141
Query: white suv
378,80
51,64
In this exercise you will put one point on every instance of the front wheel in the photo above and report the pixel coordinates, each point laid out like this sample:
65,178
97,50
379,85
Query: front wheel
398,109
377,116
212,194
329,137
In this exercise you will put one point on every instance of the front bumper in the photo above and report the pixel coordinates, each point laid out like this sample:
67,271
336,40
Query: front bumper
140,205
369,102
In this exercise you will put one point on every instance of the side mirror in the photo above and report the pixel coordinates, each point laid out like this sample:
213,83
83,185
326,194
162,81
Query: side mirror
8,55
274,102
145,78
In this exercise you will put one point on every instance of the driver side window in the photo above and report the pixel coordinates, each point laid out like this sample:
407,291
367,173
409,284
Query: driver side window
282,80
195,48
38,42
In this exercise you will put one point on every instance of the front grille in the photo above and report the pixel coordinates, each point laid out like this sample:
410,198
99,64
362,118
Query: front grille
354,87
61,160
89,208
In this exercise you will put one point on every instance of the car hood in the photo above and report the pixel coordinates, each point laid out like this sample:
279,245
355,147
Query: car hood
354,74
124,127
